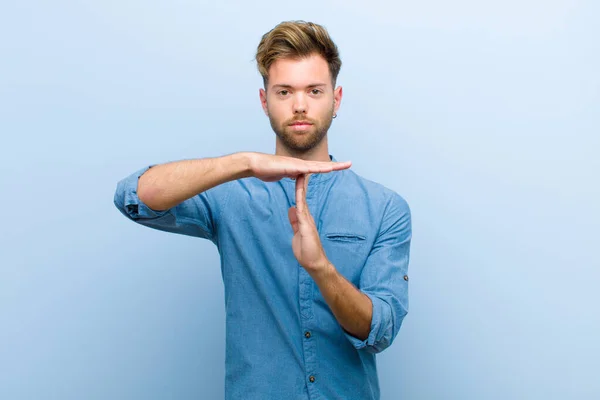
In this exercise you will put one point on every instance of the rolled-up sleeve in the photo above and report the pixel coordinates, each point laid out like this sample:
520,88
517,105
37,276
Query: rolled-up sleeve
193,217
385,277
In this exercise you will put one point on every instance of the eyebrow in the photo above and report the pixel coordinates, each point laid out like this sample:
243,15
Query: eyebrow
285,86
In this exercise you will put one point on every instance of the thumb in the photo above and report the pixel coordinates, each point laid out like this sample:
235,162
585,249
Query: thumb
293,217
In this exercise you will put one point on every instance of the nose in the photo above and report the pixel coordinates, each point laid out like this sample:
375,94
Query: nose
300,105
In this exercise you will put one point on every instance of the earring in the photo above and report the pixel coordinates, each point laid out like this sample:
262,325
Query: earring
334,115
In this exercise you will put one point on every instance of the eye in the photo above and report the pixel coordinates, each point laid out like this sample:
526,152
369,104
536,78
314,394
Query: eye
283,92
316,92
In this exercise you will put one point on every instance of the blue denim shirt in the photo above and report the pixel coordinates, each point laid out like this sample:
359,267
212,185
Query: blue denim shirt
282,340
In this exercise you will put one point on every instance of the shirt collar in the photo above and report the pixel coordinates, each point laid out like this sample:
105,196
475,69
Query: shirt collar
316,178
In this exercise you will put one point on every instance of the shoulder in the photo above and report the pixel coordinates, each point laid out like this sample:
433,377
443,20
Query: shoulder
373,192
387,207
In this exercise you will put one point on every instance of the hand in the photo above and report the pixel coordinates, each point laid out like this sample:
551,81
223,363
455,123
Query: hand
306,243
271,168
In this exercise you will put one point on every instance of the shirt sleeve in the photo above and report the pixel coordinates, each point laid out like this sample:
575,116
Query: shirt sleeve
192,217
384,277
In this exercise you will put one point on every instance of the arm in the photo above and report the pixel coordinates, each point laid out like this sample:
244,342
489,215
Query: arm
351,307
174,197
167,185
384,277
164,186
372,314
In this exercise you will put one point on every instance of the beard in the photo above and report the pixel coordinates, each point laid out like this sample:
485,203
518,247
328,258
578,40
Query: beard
301,142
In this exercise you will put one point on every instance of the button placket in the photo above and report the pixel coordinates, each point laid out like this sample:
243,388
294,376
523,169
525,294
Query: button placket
306,293
309,342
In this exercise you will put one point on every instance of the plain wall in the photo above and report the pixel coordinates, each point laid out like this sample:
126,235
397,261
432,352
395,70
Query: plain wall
484,116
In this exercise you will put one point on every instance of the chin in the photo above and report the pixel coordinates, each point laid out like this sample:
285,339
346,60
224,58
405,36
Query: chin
303,145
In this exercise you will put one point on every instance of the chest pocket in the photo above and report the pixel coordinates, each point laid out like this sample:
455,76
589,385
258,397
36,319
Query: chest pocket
347,251
345,237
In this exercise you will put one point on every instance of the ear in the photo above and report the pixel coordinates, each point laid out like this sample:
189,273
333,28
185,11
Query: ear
263,101
337,99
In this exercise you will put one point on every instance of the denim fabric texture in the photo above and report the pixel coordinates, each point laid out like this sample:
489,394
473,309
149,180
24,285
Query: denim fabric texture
282,340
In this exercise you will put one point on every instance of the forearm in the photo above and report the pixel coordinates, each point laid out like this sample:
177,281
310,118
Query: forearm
166,185
352,308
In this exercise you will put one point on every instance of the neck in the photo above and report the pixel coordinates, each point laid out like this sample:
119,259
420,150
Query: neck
318,153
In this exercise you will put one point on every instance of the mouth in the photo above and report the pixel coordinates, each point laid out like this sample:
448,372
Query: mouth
300,125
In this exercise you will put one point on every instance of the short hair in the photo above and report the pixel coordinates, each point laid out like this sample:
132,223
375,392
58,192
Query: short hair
295,40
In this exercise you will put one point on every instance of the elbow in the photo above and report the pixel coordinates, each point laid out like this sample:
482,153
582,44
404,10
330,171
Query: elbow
135,198
389,315
151,196
147,195
384,341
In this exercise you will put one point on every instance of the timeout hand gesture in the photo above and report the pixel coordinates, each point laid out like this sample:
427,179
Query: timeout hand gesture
271,168
306,243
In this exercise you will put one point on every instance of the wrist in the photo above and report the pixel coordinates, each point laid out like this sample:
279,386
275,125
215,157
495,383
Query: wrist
324,270
243,164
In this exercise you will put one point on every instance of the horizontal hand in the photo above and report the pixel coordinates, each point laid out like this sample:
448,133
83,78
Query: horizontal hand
271,168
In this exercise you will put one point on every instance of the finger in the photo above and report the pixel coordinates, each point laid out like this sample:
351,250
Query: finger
300,193
302,212
305,191
321,167
307,216
305,220
338,166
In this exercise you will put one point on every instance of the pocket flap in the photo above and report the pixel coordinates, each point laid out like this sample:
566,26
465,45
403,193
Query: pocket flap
345,237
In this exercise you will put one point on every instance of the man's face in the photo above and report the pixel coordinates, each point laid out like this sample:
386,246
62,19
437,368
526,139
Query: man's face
300,101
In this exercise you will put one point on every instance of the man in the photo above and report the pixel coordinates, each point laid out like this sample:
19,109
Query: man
314,258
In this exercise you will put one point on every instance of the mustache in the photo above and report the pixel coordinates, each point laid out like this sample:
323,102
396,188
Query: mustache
299,119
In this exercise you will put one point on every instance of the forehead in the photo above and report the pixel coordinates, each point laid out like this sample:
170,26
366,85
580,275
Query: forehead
299,72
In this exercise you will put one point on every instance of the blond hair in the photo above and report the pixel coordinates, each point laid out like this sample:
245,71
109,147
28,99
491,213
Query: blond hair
297,39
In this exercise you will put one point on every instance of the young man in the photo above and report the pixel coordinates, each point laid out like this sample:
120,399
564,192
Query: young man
314,257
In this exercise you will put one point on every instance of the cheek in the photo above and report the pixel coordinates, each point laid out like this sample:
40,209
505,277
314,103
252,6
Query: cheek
325,111
276,111
324,106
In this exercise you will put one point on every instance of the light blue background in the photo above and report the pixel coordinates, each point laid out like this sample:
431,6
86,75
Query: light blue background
483,115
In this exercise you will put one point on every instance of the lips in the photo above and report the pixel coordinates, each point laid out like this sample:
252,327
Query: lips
300,123
300,126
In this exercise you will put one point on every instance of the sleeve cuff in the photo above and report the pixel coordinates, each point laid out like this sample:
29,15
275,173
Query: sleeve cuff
379,335
130,204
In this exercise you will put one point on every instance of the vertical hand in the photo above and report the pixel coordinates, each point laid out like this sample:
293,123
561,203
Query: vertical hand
306,243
